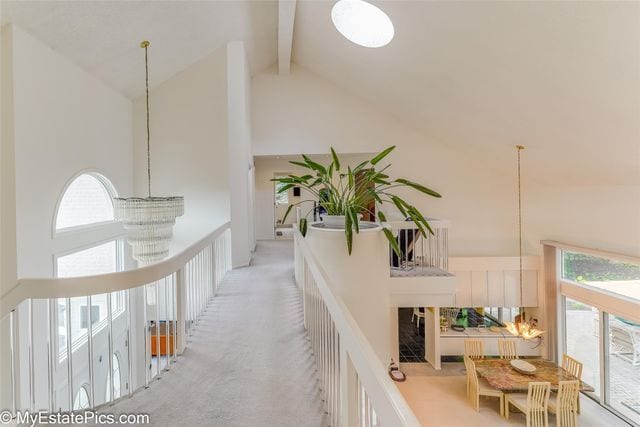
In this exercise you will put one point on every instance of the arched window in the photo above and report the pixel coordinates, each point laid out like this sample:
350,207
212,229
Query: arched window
95,246
86,200
81,400
115,366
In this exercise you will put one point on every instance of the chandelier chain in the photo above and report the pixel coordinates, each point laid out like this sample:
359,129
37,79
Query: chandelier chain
145,45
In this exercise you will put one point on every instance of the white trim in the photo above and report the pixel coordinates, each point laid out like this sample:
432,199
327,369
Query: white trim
595,252
615,304
102,179
389,403
102,283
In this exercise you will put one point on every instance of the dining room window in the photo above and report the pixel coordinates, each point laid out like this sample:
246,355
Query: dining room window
582,340
599,322
623,366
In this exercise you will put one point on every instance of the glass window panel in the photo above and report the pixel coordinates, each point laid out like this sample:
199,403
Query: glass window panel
96,260
623,368
582,341
85,201
281,198
613,276
81,401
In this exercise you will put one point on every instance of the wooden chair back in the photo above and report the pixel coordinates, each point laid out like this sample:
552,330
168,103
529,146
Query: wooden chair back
471,371
537,404
474,349
566,403
572,366
507,349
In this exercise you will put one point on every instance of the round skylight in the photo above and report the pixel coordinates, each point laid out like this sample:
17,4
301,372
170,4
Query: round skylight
362,23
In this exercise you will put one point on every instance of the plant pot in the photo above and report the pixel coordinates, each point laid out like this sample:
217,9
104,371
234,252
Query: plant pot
334,220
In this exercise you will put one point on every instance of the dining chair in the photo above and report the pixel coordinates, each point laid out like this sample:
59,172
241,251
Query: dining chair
534,404
474,348
507,349
564,403
417,314
479,387
573,367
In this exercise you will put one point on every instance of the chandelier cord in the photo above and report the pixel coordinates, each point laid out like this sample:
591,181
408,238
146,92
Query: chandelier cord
520,148
145,45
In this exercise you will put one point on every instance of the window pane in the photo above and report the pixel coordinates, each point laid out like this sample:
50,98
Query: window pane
96,260
281,198
582,342
613,276
624,367
86,201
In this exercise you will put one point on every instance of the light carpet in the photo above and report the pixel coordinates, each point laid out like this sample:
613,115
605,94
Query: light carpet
248,362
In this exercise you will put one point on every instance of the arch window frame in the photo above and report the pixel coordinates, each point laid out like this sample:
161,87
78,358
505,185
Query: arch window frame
108,187
74,239
76,397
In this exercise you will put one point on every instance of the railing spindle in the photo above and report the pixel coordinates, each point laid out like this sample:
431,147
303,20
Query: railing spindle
112,395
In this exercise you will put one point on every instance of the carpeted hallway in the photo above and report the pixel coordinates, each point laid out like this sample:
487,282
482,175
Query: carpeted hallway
249,361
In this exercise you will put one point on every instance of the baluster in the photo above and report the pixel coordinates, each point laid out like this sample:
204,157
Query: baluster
12,344
181,307
32,398
156,286
69,354
174,323
145,321
50,354
112,395
90,352
167,328
129,352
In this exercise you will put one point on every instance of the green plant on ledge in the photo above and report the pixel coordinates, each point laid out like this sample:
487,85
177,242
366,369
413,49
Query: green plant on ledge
348,193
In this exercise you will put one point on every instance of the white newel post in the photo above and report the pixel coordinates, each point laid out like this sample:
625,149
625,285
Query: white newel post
181,305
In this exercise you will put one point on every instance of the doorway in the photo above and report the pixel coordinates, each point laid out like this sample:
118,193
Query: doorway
411,337
283,227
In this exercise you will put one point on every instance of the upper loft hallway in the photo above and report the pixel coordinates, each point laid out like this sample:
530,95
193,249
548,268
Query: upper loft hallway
248,360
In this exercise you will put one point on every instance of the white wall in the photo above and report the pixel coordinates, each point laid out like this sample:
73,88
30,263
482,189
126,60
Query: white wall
65,121
303,112
267,167
241,174
189,154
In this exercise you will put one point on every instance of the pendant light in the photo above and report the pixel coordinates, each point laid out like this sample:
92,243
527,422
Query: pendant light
148,221
522,328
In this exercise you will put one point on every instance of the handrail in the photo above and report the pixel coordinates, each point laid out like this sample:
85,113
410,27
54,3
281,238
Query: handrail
433,222
589,251
70,287
387,399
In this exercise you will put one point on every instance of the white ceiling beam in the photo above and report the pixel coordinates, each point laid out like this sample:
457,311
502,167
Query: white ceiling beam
286,18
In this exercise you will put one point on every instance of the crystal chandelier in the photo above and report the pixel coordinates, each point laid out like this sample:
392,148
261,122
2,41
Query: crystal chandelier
148,221
521,327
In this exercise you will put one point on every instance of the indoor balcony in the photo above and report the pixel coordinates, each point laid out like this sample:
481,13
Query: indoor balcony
183,320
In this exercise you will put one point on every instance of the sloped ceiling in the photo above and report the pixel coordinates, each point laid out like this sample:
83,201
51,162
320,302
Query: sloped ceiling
561,78
103,37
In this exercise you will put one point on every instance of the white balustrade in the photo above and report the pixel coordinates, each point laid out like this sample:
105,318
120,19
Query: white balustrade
65,352
420,255
356,388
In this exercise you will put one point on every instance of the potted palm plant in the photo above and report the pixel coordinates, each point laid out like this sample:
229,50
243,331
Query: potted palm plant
346,195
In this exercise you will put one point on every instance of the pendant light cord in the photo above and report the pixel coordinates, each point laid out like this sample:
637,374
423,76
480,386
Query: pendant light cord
520,148
145,44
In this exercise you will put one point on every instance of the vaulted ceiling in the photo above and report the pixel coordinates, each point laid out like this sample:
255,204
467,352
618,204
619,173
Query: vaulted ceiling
562,78
103,37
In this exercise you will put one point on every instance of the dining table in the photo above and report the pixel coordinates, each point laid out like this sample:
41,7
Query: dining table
502,376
